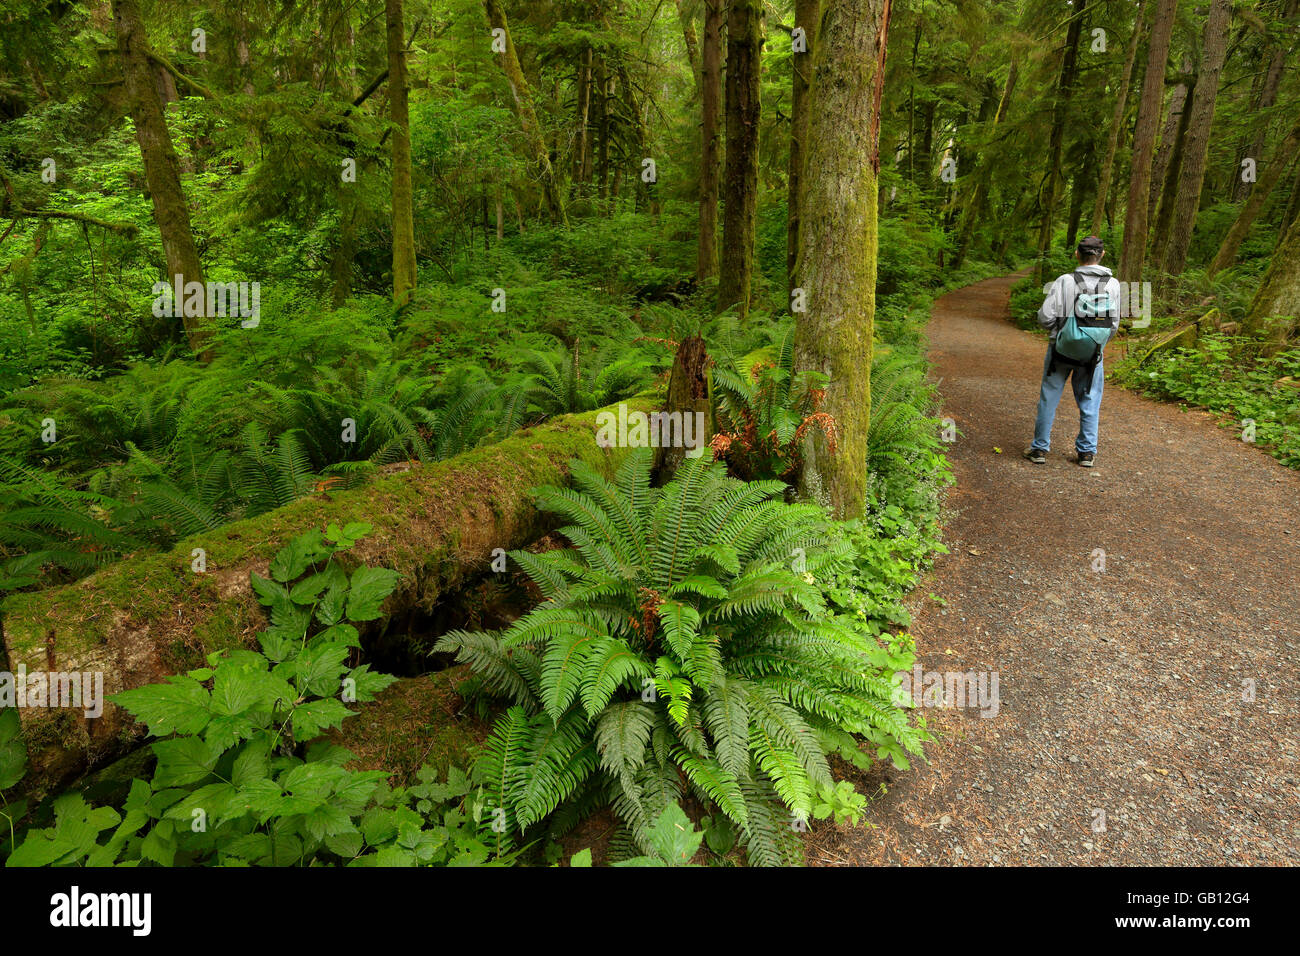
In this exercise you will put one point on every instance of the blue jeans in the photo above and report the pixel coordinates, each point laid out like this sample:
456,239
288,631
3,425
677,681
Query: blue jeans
1089,405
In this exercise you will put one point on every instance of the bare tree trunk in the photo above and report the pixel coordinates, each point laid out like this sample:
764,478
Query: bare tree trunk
1196,149
527,113
1273,168
807,15
1077,191
404,275
1116,122
244,59
837,255
688,395
602,126
582,151
977,199
1060,114
1144,134
744,107
161,167
706,266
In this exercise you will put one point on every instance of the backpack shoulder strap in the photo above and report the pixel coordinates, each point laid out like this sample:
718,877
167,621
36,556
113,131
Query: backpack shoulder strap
1081,282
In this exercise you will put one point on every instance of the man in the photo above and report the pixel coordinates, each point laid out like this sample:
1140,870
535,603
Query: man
1082,313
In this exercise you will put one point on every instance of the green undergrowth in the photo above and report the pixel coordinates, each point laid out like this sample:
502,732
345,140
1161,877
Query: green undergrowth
1257,394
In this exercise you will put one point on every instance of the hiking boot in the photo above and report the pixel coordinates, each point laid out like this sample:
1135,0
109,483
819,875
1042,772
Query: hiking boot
1085,459
1036,455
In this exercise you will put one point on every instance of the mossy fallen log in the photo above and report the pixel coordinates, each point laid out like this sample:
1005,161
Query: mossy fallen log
1184,336
148,616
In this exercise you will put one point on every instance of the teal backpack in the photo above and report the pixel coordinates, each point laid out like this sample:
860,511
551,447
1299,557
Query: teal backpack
1087,328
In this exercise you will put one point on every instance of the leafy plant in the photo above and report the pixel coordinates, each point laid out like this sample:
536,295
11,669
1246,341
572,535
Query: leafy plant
242,776
396,414
559,381
841,802
678,650
764,410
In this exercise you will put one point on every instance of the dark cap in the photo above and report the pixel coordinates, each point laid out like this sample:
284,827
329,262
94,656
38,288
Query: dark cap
1092,242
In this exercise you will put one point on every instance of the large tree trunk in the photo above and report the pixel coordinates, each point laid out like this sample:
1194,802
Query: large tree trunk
161,167
740,206
1051,190
1169,135
1144,135
706,266
527,113
976,204
403,212
1273,168
1196,149
807,14
837,255
1116,123
1173,171
148,616
1279,292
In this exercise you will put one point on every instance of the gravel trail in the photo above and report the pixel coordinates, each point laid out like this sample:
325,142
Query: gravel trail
1123,693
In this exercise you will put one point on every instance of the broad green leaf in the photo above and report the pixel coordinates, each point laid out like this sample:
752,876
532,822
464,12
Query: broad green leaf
369,588
180,706
182,761
312,718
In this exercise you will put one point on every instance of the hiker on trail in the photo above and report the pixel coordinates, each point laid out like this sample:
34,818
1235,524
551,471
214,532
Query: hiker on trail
1082,313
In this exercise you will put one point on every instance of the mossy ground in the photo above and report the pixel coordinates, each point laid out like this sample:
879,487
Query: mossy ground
416,721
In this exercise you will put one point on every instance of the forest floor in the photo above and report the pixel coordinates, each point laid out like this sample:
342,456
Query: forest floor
1120,692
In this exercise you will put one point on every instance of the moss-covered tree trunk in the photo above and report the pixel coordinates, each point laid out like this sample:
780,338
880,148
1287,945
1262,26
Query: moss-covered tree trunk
403,211
1144,137
1273,168
1196,148
740,181
837,254
527,113
1279,292
1116,124
807,17
706,265
686,15
145,617
1267,97
161,167
1293,204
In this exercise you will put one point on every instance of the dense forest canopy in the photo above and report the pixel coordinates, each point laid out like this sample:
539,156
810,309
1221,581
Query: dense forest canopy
353,268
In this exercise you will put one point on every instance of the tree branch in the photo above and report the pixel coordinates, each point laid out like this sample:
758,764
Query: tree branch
193,84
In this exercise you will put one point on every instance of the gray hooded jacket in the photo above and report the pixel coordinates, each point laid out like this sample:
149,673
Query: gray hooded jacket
1060,298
